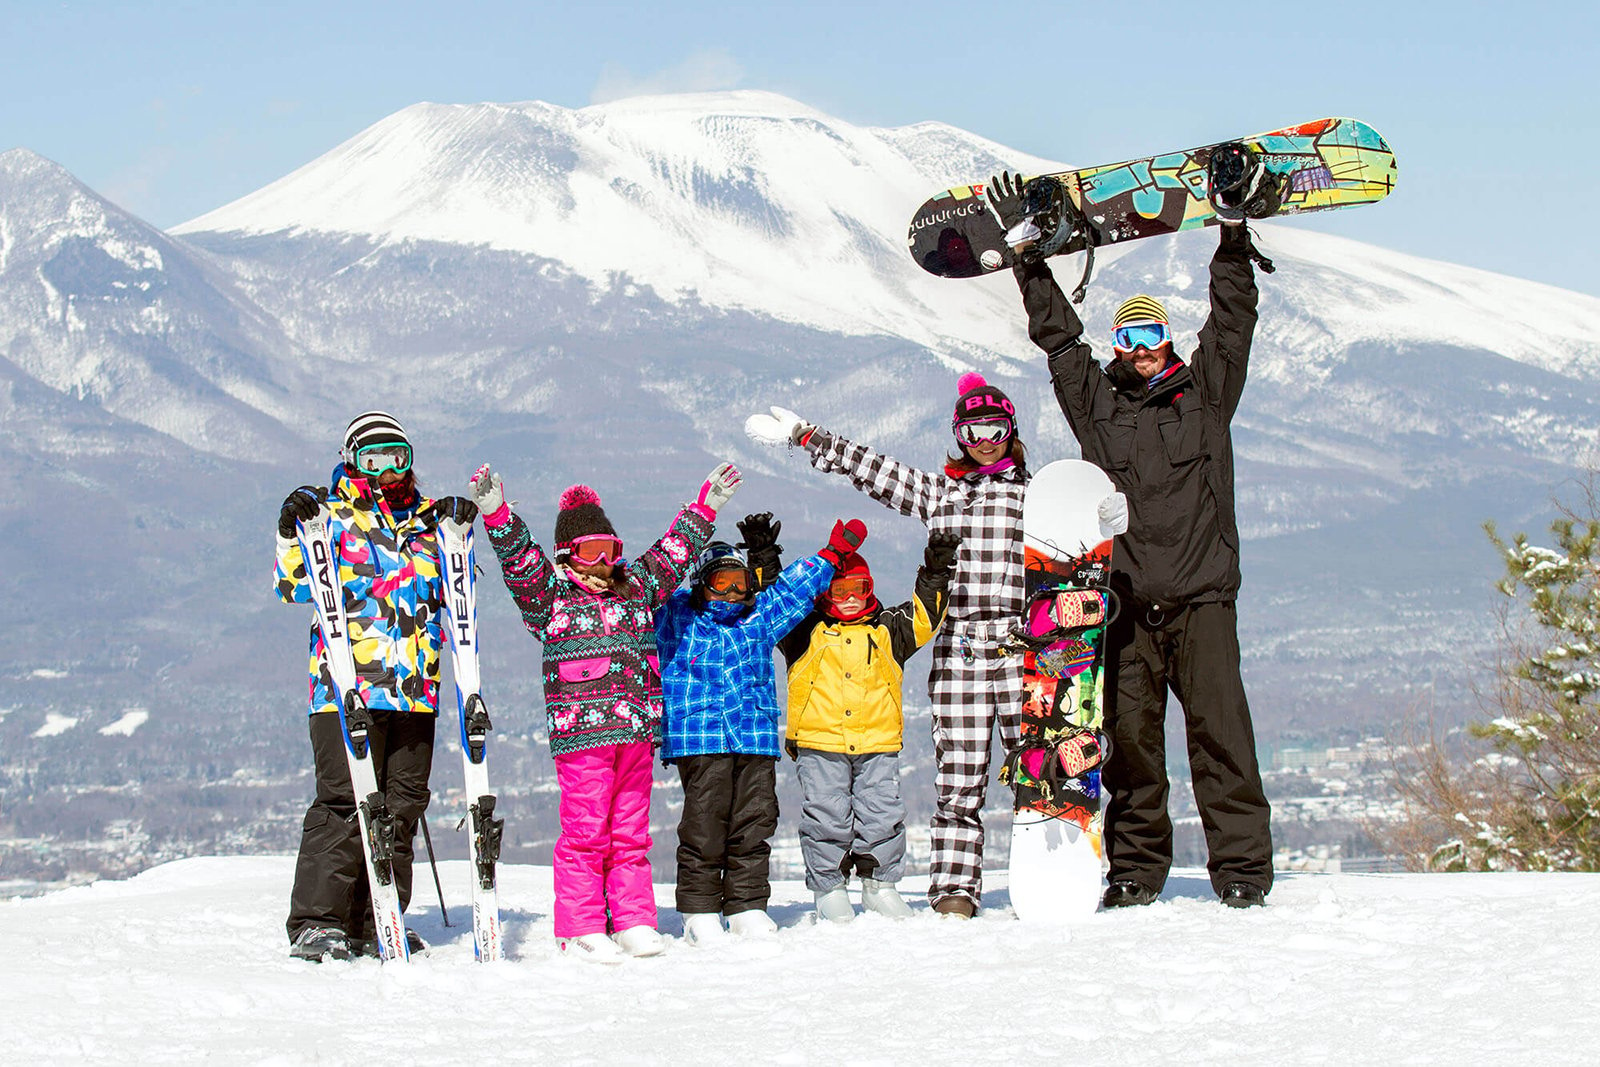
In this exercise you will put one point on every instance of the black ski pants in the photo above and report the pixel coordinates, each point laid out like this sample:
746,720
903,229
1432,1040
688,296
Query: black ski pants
730,812
330,876
1193,652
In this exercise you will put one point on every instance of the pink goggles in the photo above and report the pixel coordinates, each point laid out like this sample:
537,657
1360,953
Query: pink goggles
596,549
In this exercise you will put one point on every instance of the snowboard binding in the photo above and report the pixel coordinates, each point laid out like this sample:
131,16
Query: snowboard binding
1046,206
1240,186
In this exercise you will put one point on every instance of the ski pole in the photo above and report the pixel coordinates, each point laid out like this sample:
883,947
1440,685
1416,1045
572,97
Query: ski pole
427,839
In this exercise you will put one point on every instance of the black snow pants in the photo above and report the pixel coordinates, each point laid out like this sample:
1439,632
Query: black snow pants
730,812
1193,652
330,877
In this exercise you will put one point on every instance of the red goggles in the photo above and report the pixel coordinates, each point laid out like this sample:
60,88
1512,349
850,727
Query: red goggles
597,549
735,580
855,585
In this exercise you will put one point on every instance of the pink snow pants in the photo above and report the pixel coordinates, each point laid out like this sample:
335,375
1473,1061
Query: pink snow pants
602,858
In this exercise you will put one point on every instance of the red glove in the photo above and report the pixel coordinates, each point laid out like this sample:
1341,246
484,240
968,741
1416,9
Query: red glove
845,539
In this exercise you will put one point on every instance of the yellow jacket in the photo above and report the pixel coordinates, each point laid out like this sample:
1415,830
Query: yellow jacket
844,677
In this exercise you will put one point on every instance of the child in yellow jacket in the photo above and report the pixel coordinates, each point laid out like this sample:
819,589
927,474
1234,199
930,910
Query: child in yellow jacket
845,727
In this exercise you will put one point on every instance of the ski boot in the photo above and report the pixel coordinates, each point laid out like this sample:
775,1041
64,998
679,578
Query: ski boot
755,924
703,928
640,941
591,948
834,904
884,898
1243,895
318,943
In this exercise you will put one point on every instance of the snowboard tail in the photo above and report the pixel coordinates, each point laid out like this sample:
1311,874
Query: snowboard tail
1321,165
1054,771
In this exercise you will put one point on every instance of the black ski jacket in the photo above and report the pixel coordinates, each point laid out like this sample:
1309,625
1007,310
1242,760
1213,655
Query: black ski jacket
1167,448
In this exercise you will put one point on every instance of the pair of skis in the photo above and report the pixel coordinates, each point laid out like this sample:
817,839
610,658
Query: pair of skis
377,824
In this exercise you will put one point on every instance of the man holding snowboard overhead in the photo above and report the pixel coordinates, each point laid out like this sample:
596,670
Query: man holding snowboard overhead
1160,427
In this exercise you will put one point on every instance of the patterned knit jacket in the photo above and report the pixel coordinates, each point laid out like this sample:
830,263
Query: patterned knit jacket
602,682
389,569
718,676
985,509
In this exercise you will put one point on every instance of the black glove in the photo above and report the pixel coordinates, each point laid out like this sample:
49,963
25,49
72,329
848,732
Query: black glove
845,539
792,747
761,546
301,505
457,509
1005,196
940,555
759,531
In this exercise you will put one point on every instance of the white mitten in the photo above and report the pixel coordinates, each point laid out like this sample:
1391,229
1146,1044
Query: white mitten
1113,513
781,427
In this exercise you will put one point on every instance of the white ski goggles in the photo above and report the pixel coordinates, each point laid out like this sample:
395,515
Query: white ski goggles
376,459
992,431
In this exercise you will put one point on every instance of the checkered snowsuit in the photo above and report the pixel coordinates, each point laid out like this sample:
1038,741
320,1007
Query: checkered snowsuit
973,688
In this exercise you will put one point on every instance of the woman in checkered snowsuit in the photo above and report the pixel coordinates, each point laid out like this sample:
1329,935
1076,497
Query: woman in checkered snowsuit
973,687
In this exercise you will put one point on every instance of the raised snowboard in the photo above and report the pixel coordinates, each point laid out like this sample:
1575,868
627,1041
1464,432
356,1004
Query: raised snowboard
1315,166
1054,773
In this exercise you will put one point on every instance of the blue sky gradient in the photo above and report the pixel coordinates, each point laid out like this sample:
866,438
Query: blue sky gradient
173,109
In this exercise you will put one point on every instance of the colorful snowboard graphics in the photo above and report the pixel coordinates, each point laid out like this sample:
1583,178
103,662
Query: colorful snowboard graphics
1057,821
1315,166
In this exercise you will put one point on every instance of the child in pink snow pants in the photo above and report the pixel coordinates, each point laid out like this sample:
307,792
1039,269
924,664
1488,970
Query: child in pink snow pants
594,612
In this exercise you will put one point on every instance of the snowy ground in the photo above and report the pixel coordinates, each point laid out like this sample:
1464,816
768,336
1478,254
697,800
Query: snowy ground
187,963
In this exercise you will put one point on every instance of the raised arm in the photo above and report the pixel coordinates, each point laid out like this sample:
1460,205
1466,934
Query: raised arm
528,573
1080,385
1222,360
912,624
888,481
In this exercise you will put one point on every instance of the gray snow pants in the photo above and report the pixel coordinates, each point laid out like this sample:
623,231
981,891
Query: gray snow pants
853,817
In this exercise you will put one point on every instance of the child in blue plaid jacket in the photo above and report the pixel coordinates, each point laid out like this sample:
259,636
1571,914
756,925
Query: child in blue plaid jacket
720,725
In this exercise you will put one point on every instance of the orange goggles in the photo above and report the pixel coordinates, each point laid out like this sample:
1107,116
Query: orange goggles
855,585
729,580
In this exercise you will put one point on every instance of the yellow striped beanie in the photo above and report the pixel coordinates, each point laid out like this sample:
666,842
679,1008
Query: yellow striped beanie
1140,308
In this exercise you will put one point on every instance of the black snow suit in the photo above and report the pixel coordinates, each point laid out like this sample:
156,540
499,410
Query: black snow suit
1167,446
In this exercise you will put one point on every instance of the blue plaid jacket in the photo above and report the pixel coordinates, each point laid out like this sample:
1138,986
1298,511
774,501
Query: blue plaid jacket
717,683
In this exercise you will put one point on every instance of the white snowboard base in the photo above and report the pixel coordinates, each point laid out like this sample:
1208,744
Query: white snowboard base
1055,869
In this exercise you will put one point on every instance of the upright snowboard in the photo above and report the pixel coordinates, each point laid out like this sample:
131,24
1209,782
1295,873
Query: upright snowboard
1315,166
1057,821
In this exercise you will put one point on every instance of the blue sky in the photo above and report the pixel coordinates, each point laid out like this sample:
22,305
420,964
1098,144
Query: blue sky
173,109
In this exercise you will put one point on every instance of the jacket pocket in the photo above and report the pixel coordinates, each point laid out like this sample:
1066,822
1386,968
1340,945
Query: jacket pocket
591,669
1182,433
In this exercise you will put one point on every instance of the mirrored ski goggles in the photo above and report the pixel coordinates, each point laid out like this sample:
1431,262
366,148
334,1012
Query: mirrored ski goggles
729,580
375,459
992,431
854,586
1148,335
601,549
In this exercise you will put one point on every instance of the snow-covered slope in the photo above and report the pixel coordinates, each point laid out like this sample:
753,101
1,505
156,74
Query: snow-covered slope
187,963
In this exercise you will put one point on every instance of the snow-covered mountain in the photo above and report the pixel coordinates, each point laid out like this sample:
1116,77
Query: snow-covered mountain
602,295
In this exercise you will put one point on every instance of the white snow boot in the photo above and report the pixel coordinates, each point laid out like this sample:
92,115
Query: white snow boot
703,928
834,904
640,941
884,898
591,948
754,923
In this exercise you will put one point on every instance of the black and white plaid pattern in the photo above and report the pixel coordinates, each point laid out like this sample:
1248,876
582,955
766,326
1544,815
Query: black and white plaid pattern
973,688
972,694
985,509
